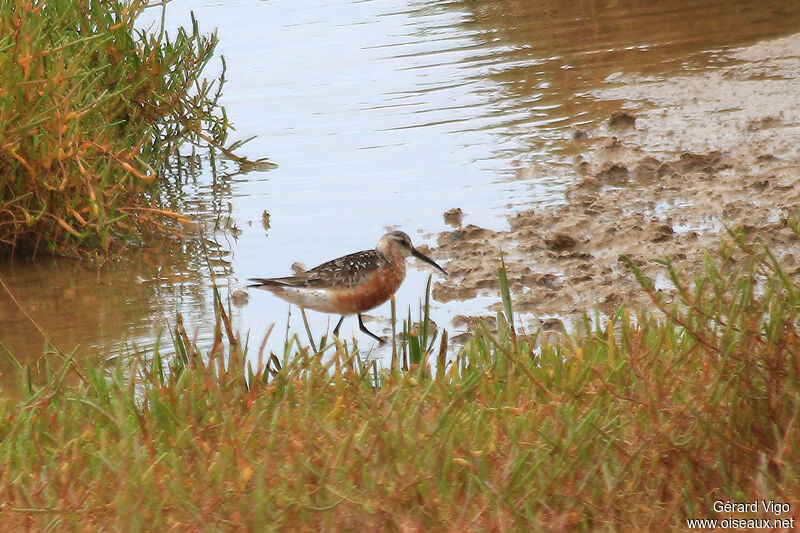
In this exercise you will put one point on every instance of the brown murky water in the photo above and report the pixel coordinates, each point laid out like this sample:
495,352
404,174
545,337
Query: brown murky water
381,114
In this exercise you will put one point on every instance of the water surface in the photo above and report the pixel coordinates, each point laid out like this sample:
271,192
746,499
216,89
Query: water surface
382,114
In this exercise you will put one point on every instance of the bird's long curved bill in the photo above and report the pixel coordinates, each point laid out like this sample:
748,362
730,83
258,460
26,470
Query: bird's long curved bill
419,255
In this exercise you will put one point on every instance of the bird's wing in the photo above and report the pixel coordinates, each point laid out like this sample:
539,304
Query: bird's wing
345,271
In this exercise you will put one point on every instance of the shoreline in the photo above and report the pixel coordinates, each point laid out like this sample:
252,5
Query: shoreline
689,158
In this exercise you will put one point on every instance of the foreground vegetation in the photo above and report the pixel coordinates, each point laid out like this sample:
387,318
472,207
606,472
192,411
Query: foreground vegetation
90,107
637,424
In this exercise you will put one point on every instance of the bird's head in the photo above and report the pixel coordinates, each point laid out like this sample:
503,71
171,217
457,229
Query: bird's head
398,244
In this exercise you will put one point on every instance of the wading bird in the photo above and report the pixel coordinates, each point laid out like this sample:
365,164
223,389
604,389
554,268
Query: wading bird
351,284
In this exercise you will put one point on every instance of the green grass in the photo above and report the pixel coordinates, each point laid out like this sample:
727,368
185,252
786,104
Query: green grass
633,425
90,110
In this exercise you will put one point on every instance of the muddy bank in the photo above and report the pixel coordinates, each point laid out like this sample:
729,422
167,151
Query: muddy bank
685,159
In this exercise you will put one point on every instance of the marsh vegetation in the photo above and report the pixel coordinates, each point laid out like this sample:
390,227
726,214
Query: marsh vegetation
90,108
637,423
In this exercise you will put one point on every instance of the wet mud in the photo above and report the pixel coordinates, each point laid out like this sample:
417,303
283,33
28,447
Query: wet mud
685,159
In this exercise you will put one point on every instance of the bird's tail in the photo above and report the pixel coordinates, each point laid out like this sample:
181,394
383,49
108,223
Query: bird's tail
271,282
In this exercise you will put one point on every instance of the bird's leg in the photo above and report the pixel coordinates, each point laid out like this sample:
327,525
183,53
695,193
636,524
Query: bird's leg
338,324
363,328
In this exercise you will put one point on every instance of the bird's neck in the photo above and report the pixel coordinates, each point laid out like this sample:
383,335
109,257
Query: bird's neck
397,260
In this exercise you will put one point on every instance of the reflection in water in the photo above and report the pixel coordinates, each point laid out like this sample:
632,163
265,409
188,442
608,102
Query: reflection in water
102,307
382,115
545,56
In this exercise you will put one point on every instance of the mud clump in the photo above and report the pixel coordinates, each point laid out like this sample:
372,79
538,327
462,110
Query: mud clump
561,241
690,162
613,172
454,217
552,324
662,233
622,120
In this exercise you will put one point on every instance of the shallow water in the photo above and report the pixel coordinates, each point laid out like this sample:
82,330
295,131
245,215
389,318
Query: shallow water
382,114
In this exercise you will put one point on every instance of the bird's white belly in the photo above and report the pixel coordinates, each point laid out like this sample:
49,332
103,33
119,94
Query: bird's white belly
316,299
